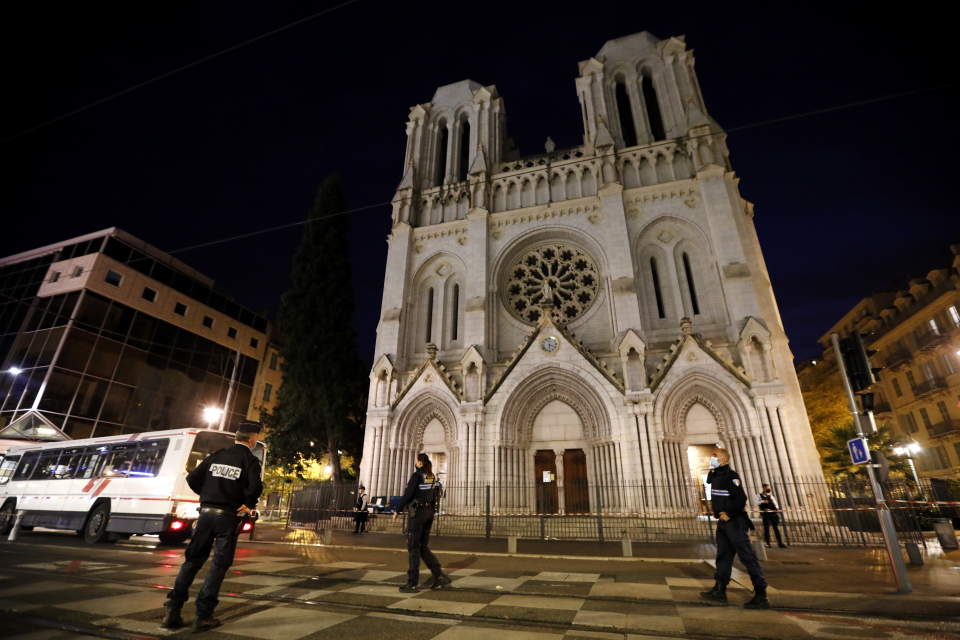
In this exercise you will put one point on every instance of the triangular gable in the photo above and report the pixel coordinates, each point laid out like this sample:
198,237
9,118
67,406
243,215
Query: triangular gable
34,427
547,325
383,364
429,365
695,341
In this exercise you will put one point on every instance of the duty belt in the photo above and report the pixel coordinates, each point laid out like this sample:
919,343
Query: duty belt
217,512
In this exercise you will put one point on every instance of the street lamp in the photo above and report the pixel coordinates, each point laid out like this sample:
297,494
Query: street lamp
212,415
14,371
910,448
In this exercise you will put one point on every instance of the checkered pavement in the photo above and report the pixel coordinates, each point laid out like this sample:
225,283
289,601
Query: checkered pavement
300,602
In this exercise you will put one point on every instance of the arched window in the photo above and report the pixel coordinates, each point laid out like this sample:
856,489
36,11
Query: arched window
656,288
441,152
430,315
464,148
690,286
627,130
455,328
653,108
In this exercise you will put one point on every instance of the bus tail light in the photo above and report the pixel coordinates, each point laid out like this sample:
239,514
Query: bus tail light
247,526
176,525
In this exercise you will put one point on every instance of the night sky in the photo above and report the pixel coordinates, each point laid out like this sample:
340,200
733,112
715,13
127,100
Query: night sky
847,203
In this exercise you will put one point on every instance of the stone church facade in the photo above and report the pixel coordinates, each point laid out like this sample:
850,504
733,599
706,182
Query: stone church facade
564,325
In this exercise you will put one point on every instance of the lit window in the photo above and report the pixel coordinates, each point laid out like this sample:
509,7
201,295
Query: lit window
78,272
254,343
180,309
149,294
208,322
933,327
55,276
232,333
113,278
954,315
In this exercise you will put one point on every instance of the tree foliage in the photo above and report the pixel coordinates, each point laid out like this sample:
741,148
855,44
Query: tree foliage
827,409
835,456
324,381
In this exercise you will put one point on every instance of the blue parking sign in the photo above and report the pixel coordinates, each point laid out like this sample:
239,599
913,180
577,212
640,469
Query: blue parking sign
859,450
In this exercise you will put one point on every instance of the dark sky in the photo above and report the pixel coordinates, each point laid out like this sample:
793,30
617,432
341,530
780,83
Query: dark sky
847,202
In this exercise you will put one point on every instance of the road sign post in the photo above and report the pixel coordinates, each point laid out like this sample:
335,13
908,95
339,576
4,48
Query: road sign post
859,450
883,513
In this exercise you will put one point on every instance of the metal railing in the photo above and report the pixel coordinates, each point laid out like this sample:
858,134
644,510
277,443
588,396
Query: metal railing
944,428
929,386
835,512
897,358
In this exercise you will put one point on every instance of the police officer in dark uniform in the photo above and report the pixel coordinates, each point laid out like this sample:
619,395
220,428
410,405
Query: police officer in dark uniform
423,492
770,512
729,500
229,485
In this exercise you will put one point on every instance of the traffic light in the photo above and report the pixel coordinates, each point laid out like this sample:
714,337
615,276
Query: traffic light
856,359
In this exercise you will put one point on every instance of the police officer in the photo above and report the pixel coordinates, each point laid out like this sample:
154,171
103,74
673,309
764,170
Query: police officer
729,500
423,491
361,515
229,485
770,512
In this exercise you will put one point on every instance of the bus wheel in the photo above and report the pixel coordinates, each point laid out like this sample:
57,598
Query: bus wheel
96,528
6,518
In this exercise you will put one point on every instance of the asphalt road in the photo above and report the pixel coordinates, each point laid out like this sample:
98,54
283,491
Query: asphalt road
53,586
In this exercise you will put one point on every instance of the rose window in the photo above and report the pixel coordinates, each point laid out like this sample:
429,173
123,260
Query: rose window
559,273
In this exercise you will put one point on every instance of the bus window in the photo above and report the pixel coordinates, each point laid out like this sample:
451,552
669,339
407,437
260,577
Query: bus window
47,466
92,462
27,464
149,458
69,462
7,467
206,443
118,464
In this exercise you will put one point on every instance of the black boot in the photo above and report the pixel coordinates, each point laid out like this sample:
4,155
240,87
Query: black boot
440,581
717,594
173,619
759,600
410,587
203,624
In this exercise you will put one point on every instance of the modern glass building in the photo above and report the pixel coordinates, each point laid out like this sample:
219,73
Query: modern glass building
104,335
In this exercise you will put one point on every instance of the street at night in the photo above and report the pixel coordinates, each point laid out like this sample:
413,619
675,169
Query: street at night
55,587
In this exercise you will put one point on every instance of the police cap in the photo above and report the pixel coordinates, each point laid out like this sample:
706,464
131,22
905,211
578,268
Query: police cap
250,426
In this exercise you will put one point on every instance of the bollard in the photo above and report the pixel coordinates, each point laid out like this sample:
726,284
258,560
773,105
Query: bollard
760,550
913,553
627,545
327,536
15,530
511,544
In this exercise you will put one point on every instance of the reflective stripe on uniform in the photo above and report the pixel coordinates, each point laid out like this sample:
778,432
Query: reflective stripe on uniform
720,492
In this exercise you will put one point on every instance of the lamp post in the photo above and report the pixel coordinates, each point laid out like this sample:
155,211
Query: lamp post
906,450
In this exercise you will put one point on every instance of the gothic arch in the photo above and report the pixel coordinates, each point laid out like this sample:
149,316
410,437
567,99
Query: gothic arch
729,407
438,272
525,402
417,415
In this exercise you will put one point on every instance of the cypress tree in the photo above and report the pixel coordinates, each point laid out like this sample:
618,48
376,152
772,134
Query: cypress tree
323,379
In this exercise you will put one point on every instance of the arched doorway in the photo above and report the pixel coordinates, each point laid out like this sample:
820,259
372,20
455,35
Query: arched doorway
560,464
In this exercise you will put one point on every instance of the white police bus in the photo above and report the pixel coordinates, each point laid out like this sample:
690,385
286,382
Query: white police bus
109,488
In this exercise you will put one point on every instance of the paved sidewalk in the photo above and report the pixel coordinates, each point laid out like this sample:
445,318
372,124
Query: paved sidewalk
852,579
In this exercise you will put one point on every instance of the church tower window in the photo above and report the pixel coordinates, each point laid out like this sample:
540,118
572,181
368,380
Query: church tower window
656,288
442,139
627,130
690,286
454,330
464,148
430,315
653,108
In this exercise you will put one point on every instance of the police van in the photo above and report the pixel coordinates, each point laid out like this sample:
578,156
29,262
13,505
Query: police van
110,488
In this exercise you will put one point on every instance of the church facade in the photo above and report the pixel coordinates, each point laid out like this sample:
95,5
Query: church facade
563,325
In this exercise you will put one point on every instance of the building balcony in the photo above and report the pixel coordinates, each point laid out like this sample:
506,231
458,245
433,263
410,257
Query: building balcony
898,358
930,340
944,428
929,387
881,407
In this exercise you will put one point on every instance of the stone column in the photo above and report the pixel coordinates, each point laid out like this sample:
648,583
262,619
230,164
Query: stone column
558,455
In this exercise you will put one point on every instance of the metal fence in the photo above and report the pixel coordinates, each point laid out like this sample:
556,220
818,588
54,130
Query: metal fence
835,512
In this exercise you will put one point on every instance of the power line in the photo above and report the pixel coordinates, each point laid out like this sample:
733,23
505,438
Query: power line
538,168
178,70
